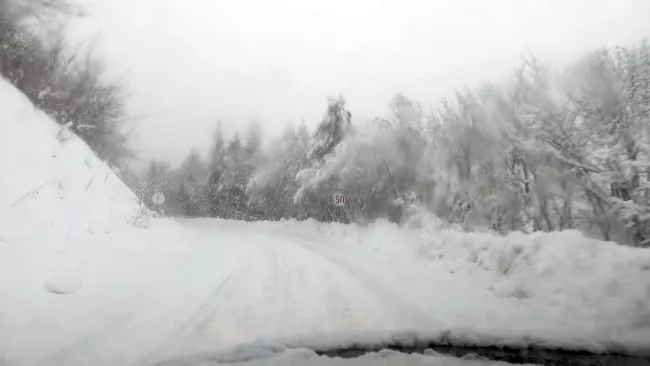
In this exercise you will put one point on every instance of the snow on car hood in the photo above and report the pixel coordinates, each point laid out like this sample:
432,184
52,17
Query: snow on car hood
308,357
415,348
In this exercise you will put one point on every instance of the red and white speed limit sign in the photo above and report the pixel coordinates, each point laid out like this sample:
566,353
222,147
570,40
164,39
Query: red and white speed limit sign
339,199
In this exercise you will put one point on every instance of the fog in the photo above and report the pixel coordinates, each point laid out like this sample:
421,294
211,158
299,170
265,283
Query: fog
188,63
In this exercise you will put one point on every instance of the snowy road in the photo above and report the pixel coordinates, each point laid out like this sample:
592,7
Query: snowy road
278,286
238,286
202,285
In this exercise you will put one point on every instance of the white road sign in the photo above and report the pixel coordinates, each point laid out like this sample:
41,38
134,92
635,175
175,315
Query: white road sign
339,199
158,198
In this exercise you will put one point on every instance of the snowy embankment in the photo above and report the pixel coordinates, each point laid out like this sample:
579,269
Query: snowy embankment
64,232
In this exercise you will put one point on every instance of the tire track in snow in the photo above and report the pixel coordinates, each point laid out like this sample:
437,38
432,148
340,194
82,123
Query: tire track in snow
417,317
123,339
119,317
291,290
180,339
394,305
290,287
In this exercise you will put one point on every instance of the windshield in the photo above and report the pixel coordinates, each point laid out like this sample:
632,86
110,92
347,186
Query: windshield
465,180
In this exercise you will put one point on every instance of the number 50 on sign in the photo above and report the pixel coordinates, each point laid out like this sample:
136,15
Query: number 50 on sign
339,199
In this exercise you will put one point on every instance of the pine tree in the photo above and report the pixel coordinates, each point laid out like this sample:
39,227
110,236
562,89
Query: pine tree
252,142
192,167
273,185
216,169
331,130
314,194
182,198
217,150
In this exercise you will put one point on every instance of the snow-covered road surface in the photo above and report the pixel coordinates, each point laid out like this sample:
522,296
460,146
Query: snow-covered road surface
232,287
275,286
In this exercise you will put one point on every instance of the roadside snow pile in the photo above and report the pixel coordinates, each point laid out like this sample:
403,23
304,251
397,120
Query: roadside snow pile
559,270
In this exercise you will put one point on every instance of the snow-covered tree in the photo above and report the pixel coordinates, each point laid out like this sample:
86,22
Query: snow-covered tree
188,198
377,166
273,185
331,131
253,143
465,159
227,191
544,151
611,93
217,149
67,85
192,168
315,200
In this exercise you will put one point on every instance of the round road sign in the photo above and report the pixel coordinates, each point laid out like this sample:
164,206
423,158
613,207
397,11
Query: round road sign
339,199
158,198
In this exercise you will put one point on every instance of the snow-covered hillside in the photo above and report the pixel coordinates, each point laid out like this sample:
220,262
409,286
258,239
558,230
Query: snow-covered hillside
52,178
64,229
80,285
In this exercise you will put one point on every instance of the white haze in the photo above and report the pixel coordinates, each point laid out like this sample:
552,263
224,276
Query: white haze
188,63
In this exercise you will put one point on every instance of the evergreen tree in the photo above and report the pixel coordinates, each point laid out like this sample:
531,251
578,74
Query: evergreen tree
217,150
252,142
331,131
216,169
273,185
192,167
315,198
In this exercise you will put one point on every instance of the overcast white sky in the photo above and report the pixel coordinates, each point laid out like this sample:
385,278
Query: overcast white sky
188,63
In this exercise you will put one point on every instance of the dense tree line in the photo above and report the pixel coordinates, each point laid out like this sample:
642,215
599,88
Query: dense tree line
60,79
544,151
